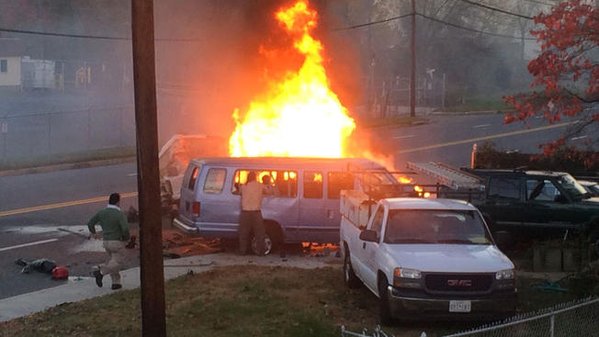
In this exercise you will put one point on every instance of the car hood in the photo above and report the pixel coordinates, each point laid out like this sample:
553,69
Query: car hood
452,258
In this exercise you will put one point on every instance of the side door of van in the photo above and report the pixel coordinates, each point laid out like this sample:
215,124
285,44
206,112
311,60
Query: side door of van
312,212
336,181
319,215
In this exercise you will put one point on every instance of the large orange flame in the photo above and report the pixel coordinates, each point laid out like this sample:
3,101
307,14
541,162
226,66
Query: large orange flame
299,116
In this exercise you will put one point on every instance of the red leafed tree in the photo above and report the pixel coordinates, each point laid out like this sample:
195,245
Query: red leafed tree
566,72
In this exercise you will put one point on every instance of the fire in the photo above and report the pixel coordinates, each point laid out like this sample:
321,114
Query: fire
299,116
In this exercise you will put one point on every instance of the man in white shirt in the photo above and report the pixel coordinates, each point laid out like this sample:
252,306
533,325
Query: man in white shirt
250,217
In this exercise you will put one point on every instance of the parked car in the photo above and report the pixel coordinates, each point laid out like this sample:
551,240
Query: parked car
591,186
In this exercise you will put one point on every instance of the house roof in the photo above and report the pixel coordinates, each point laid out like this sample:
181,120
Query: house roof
11,47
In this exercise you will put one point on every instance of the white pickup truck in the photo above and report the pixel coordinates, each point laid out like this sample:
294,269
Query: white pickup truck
425,258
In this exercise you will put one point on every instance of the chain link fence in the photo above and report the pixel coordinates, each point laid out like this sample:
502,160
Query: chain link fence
42,137
578,318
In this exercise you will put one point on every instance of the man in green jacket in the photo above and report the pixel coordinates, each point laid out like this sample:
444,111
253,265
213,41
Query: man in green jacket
115,235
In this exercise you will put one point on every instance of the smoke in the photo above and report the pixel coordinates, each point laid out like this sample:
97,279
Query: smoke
218,67
238,48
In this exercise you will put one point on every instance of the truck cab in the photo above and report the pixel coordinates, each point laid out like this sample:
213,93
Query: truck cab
426,258
519,203
536,204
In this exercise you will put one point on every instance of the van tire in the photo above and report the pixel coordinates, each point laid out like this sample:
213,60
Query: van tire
268,244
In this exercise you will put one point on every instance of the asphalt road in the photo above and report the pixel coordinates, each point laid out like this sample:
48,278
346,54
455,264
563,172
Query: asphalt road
449,139
43,215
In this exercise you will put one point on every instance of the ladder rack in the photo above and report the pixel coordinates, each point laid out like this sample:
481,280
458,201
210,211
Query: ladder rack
447,175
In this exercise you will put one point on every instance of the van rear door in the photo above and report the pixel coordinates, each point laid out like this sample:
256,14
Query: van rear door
188,187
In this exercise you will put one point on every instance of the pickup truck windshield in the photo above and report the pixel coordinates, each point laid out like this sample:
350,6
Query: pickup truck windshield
436,226
572,187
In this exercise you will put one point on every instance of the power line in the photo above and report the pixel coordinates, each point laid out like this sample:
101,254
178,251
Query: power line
497,9
540,3
80,36
472,29
373,22
96,37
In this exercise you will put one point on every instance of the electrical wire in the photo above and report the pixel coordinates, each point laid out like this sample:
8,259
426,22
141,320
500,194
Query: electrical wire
473,29
373,22
31,32
540,3
497,9
97,37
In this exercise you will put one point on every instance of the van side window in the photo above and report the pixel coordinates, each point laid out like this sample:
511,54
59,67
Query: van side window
193,178
339,181
279,183
215,180
285,183
312,185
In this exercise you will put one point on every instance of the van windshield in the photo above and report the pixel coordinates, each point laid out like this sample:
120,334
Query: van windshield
436,226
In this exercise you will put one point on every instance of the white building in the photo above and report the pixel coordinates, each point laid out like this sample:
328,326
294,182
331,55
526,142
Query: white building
11,54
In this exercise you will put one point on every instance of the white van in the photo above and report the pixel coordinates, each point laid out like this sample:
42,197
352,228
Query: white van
303,208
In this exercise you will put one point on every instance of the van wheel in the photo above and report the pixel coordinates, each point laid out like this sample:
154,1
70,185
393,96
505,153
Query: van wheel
351,280
268,244
384,309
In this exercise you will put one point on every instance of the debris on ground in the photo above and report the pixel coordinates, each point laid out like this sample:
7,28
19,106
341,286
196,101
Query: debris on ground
175,245
320,250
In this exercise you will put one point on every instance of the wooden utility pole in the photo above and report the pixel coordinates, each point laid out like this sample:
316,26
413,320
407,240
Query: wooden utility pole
148,179
413,67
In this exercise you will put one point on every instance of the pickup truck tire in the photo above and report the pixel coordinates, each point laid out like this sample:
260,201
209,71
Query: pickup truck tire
351,280
384,310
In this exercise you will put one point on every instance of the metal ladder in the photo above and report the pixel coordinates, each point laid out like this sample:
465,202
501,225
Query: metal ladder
448,175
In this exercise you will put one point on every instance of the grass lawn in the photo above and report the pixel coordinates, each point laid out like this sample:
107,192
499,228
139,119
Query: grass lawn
246,301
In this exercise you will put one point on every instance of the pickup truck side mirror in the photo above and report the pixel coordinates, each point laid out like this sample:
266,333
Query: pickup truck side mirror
369,235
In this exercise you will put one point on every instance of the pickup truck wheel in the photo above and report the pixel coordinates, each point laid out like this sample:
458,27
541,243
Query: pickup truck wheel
351,280
384,310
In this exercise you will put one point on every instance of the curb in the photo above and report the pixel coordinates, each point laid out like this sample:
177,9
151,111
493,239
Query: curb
66,166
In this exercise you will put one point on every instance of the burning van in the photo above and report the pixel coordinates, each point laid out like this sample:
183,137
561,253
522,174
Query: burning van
303,208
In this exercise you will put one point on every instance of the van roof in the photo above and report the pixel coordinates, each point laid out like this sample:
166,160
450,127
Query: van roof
291,162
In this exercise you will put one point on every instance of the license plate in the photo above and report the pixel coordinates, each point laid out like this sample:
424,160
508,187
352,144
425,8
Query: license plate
459,306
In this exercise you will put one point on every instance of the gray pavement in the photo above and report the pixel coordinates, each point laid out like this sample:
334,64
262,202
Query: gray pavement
81,288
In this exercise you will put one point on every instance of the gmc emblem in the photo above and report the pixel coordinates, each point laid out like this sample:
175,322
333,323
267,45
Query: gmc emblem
459,283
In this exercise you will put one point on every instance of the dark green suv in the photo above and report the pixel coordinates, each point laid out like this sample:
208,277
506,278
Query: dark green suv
536,204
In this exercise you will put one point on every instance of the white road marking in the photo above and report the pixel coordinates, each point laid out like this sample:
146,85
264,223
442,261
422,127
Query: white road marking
28,244
481,126
404,137
577,138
